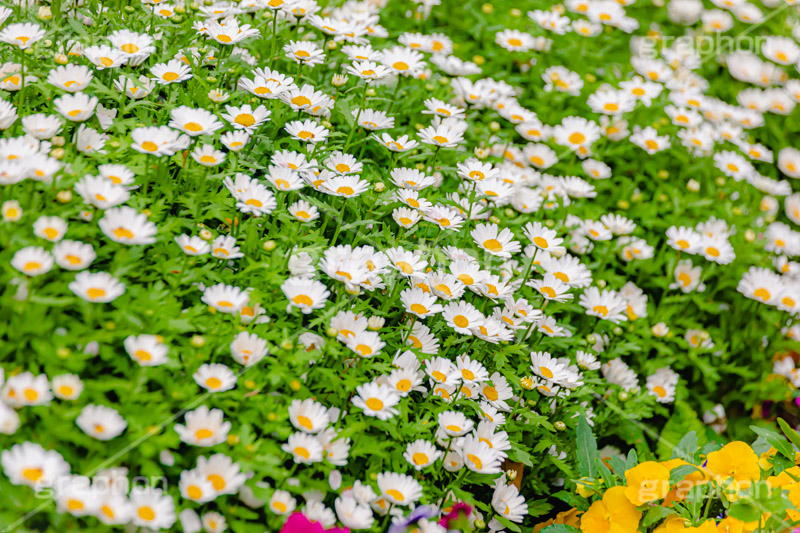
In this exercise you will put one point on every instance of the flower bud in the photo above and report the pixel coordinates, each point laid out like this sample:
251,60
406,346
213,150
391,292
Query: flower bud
660,329
584,487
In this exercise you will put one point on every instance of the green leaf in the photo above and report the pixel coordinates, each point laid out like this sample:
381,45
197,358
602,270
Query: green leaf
776,440
683,421
631,432
520,456
560,528
572,499
539,508
710,447
790,433
618,464
564,467
605,473
632,461
744,511
655,514
509,524
686,448
680,472
587,449
695,499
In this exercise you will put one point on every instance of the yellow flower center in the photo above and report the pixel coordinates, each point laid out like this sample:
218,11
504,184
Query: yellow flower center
146,513
577,138
374,404
461,321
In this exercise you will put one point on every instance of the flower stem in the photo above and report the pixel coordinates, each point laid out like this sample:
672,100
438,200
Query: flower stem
432,159
358,116
274,37
340,222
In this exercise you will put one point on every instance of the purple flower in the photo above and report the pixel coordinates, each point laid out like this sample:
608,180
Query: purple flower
423,511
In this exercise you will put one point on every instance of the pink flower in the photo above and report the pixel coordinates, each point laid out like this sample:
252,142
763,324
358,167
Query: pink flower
298,523
459,512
